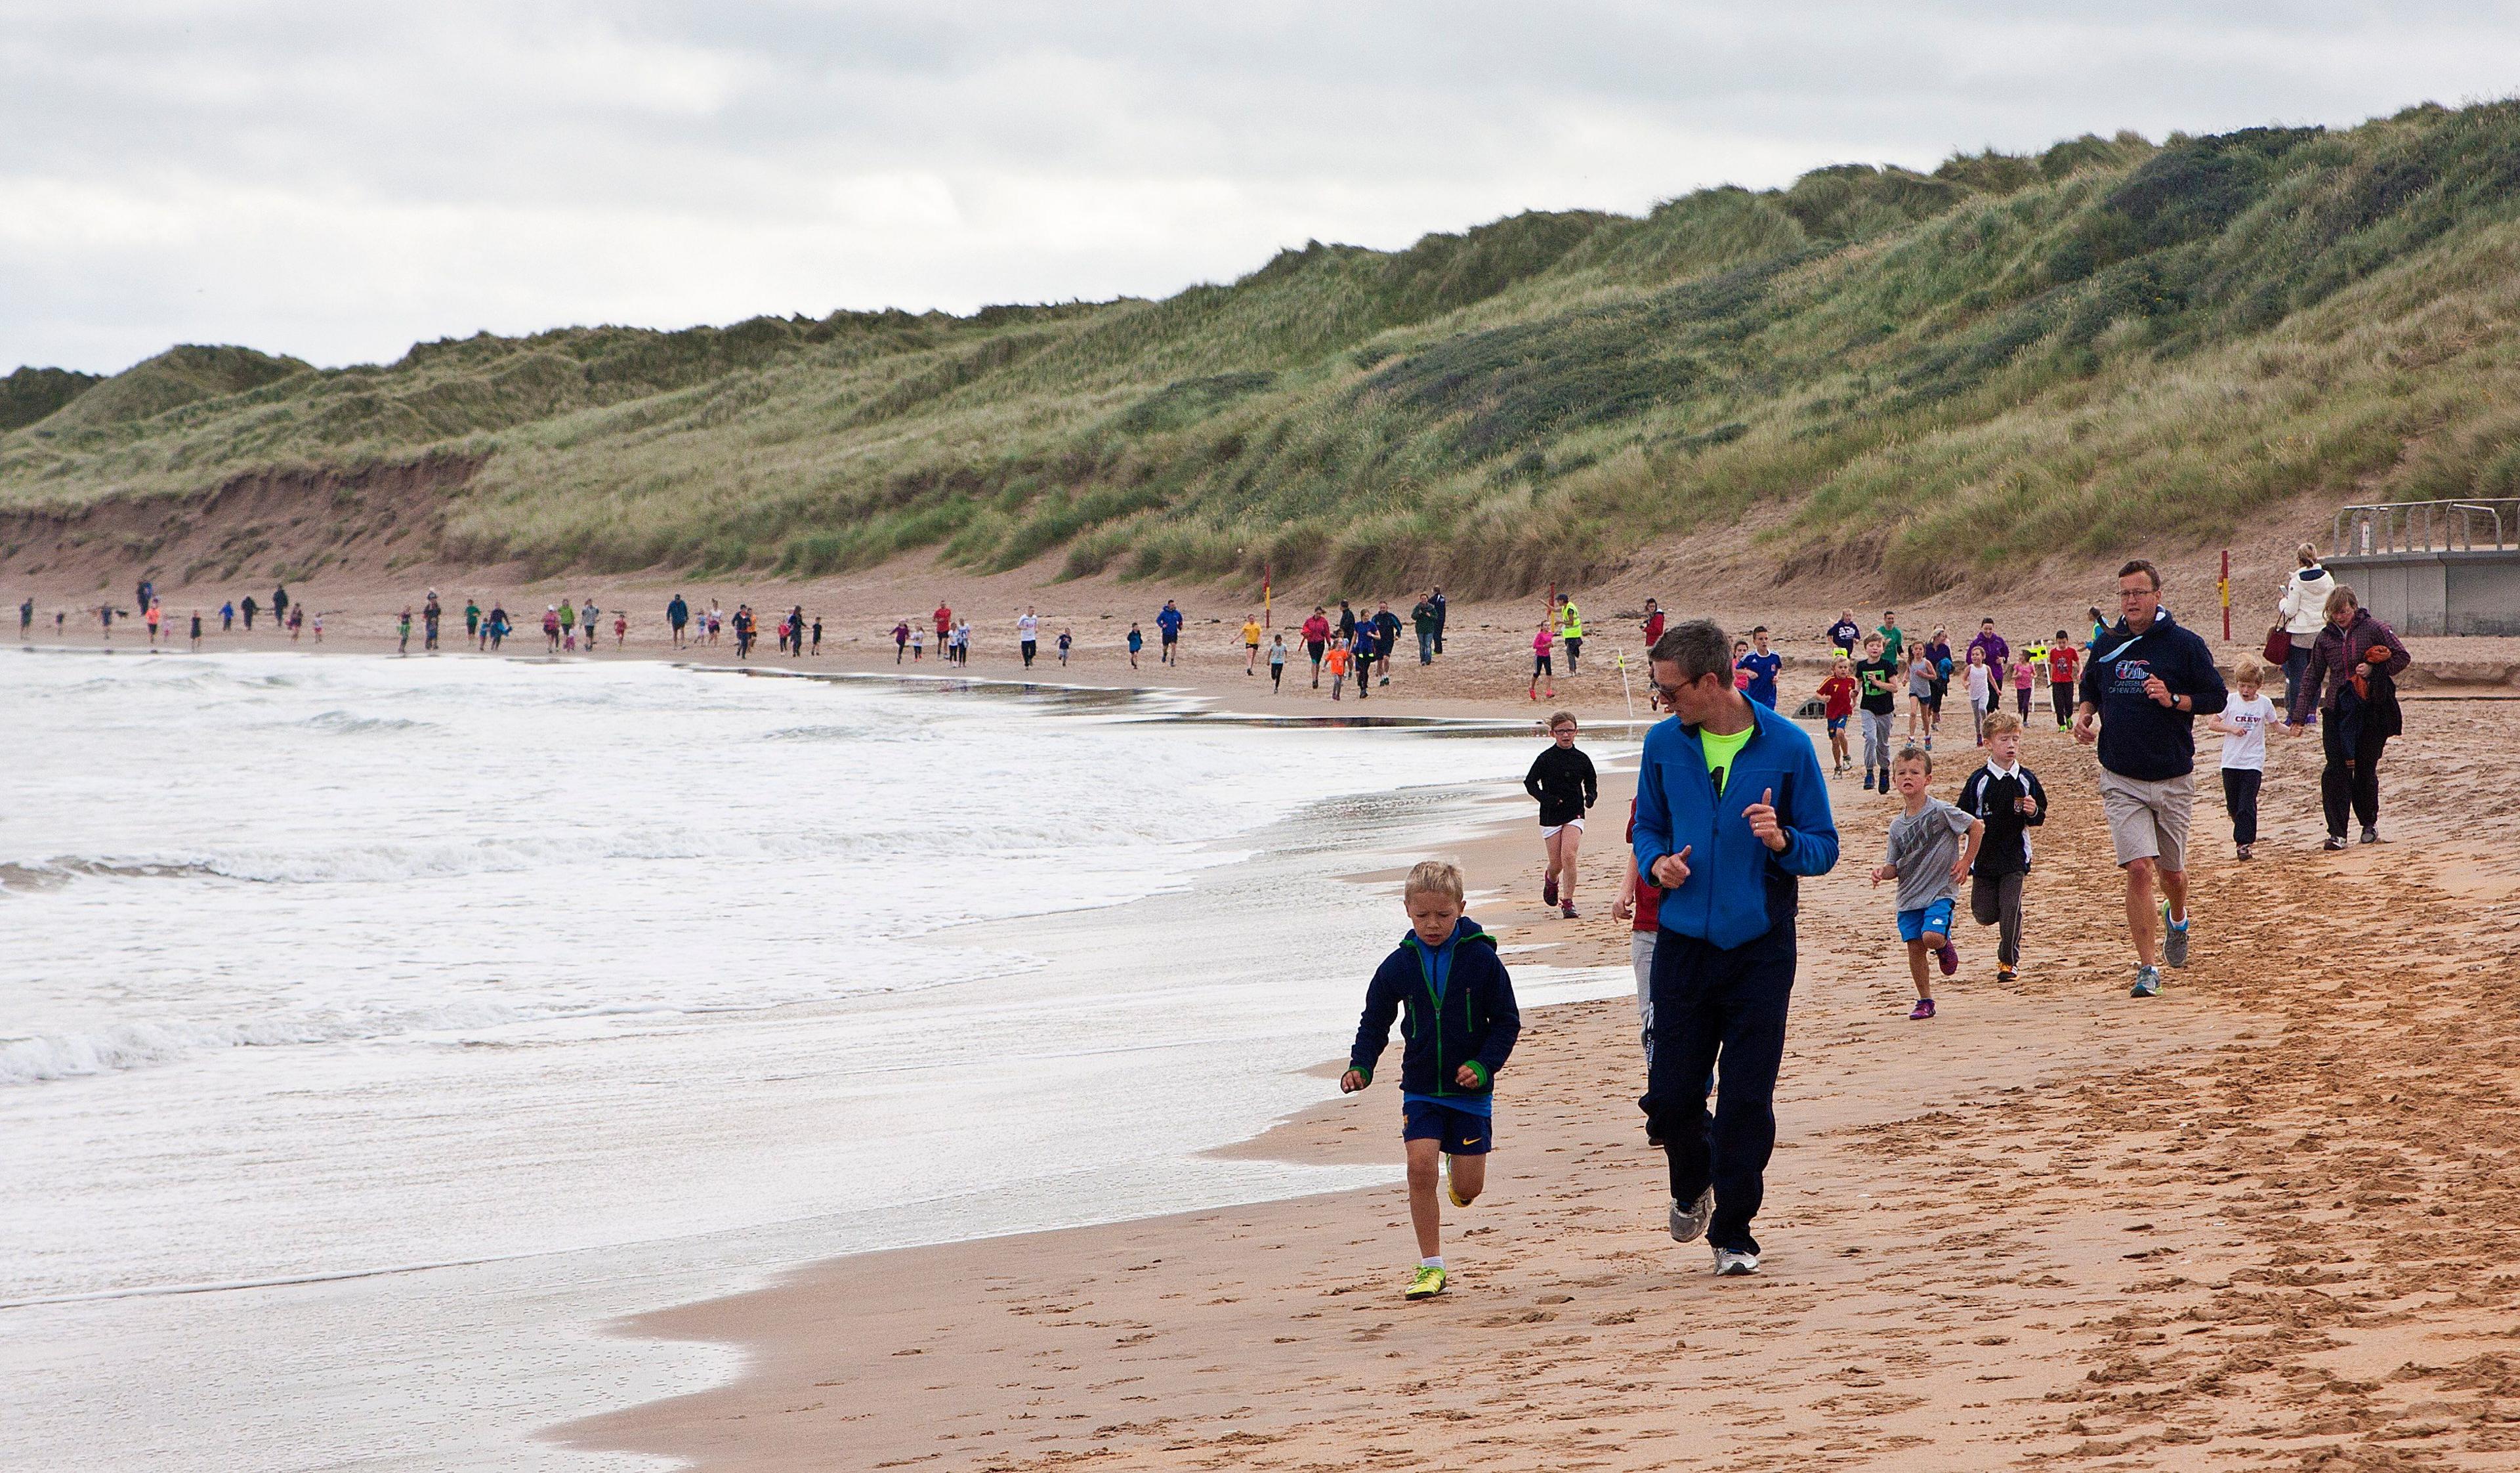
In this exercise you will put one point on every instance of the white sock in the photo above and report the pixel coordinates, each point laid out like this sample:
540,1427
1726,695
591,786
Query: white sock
1437,1262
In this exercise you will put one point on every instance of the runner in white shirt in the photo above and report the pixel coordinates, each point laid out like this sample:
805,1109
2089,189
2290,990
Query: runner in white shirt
2243,723
1028,630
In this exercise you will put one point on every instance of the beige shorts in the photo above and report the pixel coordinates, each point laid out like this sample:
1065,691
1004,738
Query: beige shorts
2149,820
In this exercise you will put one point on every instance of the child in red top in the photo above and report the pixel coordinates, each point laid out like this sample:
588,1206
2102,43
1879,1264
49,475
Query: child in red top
1838,690
2063,663
1641,905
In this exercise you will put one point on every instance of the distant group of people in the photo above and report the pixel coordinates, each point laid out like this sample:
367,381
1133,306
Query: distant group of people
1355,648
1359,646
159,623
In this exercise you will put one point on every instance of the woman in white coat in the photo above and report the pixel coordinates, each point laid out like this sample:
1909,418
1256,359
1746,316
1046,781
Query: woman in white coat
2303,611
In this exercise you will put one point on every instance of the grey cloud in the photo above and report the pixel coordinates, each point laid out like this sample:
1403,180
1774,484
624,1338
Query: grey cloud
339,179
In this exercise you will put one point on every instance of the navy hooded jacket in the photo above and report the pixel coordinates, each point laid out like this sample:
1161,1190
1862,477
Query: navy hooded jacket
2139,737
1474,1022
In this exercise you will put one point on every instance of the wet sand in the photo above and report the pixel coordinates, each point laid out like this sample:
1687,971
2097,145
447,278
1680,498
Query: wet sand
2272,1219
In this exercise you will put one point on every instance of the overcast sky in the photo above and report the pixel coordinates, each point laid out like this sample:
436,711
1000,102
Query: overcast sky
336,179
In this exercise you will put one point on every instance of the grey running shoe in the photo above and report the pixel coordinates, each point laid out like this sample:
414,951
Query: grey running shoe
2174,939
1688,1224
2334,843
1731,1265
2370,834
2148,982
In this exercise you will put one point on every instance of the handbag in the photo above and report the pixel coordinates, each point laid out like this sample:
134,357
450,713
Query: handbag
2279,646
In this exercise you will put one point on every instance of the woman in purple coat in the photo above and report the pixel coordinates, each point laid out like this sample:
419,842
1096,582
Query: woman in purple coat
2355,662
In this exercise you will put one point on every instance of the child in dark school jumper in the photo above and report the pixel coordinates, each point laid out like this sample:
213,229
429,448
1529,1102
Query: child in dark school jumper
2008,798
1460,1027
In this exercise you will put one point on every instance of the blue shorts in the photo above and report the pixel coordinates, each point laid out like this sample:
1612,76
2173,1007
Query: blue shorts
1936,918
1461,1133
1837,724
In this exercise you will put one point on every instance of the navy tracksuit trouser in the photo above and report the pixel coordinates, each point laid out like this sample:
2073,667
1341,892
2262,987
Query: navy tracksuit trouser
1719,1011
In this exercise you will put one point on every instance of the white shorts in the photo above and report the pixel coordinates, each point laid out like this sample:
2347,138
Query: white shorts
1550,830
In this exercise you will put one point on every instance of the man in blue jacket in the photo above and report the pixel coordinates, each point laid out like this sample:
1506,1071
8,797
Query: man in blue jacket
1169,622
2147,681
1731,815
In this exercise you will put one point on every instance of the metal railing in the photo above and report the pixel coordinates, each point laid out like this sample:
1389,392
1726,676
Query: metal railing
2406,527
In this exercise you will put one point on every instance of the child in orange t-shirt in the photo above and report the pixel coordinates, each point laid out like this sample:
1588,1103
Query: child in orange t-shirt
1337,660
1838,690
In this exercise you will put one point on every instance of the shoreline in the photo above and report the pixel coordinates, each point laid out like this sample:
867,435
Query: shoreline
1444,813
2093,1214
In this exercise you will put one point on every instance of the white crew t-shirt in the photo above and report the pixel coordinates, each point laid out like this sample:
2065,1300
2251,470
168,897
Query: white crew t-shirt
2248,748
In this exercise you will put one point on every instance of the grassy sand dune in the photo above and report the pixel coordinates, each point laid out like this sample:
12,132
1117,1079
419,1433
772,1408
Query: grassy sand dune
1945,377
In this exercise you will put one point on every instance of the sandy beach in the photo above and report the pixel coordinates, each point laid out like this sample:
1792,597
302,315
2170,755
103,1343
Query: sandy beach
720,1035
2267,1219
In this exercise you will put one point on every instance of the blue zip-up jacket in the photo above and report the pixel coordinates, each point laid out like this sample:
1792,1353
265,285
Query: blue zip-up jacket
1738,889
2139,737
1475,1023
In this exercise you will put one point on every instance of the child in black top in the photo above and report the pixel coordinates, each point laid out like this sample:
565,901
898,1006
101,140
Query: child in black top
1877,678
1562,779
2008,797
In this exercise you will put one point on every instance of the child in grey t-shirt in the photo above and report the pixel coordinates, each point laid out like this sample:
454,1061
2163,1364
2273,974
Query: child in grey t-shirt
1931,847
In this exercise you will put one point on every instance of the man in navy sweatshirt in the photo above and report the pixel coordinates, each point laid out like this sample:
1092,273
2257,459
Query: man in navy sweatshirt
2147,681
1731,813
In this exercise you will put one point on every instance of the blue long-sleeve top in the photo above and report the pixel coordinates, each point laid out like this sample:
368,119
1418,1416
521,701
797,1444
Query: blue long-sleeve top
1738,889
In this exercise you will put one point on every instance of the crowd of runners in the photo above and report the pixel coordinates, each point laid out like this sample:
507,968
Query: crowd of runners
1733,810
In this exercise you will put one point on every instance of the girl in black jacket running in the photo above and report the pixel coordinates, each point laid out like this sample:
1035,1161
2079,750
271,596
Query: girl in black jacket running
1562,779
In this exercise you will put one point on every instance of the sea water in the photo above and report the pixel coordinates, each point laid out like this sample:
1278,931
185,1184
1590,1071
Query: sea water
371,1029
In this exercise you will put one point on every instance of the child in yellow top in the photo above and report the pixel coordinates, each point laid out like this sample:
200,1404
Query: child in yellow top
1250,646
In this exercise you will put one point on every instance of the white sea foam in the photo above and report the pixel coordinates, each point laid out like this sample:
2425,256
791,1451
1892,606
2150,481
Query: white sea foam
197,862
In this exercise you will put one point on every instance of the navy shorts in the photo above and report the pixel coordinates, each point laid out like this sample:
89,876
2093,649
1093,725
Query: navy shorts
1461,1133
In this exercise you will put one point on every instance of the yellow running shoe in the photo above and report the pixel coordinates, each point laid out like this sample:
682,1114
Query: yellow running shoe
1449,1191
1428,1283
